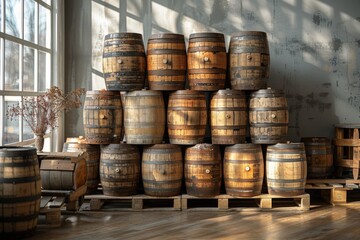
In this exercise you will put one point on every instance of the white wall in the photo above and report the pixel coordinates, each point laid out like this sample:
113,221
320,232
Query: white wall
314,48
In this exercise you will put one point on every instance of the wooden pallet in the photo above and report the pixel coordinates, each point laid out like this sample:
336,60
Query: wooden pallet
264,202
139,202
333,191
50,207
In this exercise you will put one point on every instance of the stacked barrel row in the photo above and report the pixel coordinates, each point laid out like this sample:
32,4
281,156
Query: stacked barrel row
184,113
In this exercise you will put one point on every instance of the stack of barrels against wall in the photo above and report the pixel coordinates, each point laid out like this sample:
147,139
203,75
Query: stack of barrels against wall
189,101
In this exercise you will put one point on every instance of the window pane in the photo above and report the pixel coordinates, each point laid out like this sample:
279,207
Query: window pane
1,16
27,132
29,69
29,20
11,127
44,26
47,1
44,70
11,65
12,17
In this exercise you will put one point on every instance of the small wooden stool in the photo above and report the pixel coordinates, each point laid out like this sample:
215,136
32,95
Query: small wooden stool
347,146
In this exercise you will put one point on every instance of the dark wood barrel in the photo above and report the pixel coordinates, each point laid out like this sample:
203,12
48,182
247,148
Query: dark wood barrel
63,171
319,156
103,117
124,61
186,117
20,193
243,170
166,61
229,117
268,116
162,170
249,60
119,169
203,170
286,169
207,61
92,159
144,117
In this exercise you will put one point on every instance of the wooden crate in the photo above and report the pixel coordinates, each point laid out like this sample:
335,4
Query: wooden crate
262,202
347,146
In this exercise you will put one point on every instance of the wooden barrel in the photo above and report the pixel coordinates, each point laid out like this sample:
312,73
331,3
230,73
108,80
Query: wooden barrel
207,61
124,61
249,60
319,156
243,170
92,159
166,61
103,120
229,117
144,117
203,170
119,169
268,116
20,193
286,169
63,171
186,117
162,170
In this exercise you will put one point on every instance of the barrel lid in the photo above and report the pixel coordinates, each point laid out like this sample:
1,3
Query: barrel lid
348,125
205,146
229,92
167,35
268,93
123,35
244,146
187,92
162,146
248,33
144,92
102,92
285,146
207,35
9,151
117,146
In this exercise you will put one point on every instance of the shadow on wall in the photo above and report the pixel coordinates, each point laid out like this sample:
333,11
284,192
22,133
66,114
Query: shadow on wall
314,47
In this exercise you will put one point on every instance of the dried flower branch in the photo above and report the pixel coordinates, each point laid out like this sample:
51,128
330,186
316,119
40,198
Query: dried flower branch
42,112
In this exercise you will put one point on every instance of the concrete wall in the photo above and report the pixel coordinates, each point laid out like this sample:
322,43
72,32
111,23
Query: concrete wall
314,48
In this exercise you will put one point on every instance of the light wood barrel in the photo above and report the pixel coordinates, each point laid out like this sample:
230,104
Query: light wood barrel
286,169
249,60
162,170
103,117
203,170
20,193
229,117
207,61
319,156
144,117
186,117
166,61
268,116
243,170
124,61
119,169
92,159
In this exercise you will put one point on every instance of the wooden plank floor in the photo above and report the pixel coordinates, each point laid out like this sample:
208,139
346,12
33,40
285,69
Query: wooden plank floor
321,222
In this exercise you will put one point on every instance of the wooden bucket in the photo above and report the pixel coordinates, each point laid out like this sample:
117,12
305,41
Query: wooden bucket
249,60
286,169
63,171
207,61
203,170
186,117
119,169
319,156
124,61
92,159
243,170
144,117
166,61
229,117
20,193
268,116
162,170
103,114
347,150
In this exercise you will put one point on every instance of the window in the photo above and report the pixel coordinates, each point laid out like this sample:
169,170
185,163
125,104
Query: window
26,63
